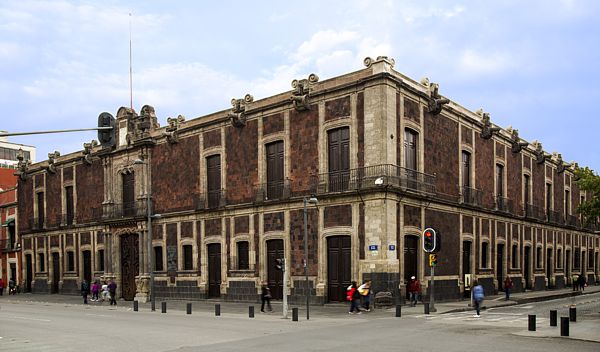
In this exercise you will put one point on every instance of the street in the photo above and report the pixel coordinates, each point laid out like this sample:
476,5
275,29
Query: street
36,326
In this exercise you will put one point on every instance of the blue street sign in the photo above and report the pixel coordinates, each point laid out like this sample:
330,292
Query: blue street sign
373,247
392,247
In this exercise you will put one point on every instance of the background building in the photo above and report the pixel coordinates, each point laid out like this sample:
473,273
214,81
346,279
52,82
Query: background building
386,156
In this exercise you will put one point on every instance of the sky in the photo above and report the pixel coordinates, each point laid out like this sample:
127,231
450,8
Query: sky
533,65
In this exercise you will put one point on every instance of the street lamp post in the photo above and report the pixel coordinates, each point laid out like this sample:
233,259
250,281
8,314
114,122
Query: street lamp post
311,200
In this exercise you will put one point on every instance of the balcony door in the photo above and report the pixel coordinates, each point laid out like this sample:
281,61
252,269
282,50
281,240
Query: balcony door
213,178
275,170
338,146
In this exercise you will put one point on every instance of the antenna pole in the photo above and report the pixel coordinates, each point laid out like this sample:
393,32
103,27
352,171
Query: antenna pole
130,69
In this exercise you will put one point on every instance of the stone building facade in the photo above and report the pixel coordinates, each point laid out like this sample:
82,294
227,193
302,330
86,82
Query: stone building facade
385,156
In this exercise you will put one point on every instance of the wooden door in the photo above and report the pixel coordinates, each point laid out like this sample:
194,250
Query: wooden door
213,177
129,265
214,270
500,266
527,267
411,260
55,272
274,276
28,272
87,266
339,267
339,159
275,170
128,194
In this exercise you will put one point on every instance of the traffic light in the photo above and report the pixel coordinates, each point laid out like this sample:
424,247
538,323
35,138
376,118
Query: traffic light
280,264
429,240
106,137
432,259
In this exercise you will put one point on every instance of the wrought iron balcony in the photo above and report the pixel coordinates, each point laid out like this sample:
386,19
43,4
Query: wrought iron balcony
504,204
376,176
554,217
212,200
273,191
124,210
471,196
534,212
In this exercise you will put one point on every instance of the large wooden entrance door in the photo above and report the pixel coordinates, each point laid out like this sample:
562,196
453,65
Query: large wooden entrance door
339,267
500,266
274,276
55,272
87,266
527,267
129,265
411,259
214,270
28,272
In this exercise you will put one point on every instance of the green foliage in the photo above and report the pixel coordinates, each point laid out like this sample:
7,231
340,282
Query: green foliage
589,181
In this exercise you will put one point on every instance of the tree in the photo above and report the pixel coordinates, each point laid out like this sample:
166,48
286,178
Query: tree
589,181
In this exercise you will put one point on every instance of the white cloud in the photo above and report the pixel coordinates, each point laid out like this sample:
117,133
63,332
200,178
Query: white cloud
473,62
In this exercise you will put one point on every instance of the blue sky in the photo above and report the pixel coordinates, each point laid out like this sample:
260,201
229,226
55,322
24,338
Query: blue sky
534,65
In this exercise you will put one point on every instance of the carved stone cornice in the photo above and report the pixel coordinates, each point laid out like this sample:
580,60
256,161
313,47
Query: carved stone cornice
301,93
87,151
237,115
171,131
488,129
557,157
435,102
540,156
516,143
51,160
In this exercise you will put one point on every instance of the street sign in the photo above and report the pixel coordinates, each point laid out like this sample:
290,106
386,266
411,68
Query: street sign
392,247
373,247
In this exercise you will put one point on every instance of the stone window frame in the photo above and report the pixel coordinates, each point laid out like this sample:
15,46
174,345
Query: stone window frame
233,253
162,257
98,263
546,184
539,256
216,150
331,126
236,253
40,264
515,255
529,197
272,138
502,163
181,255
559,257
70,260
484,264
470,150
72,184
416,129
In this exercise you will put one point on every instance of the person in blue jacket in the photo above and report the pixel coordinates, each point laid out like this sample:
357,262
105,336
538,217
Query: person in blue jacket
477,298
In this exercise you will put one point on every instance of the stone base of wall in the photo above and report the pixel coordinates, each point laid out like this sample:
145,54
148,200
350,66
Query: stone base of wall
488,285
591,279
539,284
40,286
242,291
70,287
559,282
517,285
184,290
445,290
298,296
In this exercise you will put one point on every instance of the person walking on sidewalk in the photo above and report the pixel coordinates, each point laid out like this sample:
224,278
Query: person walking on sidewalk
353,296
508,285
414,289
112,289
265,297
365,292
85,290
1,286
581,283
477,298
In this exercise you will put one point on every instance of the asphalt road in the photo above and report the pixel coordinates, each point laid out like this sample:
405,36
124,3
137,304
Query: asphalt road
26,326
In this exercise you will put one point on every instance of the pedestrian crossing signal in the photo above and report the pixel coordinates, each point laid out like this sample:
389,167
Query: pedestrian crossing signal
432,260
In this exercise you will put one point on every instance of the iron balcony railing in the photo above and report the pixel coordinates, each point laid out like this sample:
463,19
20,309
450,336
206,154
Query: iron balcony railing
471,196
212,200
504,204
534,212
277,190
376,176
125,210
554,217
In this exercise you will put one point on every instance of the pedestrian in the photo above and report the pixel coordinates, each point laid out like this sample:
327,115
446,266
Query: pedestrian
478,298
105,293
85,291
353,296
1,286
365,292
12,289
112,290
581,282
95,290
508,285
414,290
265,297
575,282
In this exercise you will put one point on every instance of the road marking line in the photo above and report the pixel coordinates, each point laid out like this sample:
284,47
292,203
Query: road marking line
98,315
25,318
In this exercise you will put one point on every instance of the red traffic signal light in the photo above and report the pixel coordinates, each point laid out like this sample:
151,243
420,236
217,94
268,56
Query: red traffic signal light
429,240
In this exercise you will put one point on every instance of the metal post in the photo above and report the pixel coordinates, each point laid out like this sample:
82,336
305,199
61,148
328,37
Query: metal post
149,239
573,314
432,291
135,306
564,326
553,318
153,306
426,307
251,312
285,304
217,310
189,308
306,261
163,307
294,314
531,325
398,311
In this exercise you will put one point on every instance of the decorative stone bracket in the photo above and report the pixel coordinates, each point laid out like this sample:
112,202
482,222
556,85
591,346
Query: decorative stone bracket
517,145
237,115
540,156
368,62
51,159
301,92
87,151
22,166
435,102
171,131
558,159
487,131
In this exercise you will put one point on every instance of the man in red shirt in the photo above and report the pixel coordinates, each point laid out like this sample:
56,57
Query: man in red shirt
414,289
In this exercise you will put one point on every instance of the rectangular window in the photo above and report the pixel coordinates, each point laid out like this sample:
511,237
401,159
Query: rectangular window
187,258
70,261
540,259
338,143
411,149
466,169
567,203
526,184
213,179
514,257
158,259
590,261
69,203
576,258
484,255
549,197
101,260
499,181
40,209
274,170
242,255
41,262
559,258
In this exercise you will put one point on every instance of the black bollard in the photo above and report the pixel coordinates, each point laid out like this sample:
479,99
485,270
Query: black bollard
153,306
531,326
135,306
552,318
163,306
564,326
251,312
426,307
294,314
398,311
573,314
217,310
189,308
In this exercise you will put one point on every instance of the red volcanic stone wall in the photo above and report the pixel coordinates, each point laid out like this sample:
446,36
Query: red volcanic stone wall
90,191
441,153
339,215
500,150
273,222
272,124
559,193
466,135
53,199
412,216
242,224
411,109
467,226
297,241
68,173
171,234
175,175
304,148
85,238
485,169
213,227
242,162
157,232
539,185
337,108
211,138
187,229
24,204
447,225
514,180
360,129
55,241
